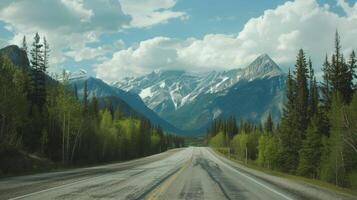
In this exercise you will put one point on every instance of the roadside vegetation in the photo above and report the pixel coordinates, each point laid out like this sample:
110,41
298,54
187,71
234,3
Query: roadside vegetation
316,137
42,121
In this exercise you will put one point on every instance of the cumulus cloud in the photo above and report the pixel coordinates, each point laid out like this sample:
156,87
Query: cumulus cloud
69,25
88,53
146,13
280,32
350,11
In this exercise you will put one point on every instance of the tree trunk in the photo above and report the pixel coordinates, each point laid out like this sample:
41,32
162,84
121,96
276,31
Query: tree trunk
3,119
63,137
246,155
336,171
78,136
68,136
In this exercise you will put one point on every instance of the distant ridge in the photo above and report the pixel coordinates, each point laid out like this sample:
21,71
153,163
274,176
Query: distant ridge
192,101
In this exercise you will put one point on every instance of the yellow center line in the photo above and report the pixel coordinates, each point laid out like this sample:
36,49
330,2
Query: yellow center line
164,186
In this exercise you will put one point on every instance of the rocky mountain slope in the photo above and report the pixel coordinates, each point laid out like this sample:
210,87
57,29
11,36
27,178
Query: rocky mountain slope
129,103
192,101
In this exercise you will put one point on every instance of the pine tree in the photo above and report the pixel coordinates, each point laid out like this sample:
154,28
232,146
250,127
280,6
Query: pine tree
24,44
110,107
352,64
269,124
326,85
346,82
85,98
302,93
310,153
339,74
37,59
290,94
290,137
94,108
75,91
46,54
313,92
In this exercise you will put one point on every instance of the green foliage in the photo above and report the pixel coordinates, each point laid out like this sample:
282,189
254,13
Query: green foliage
310,152
268,151
333,169
240,145
46,118
13,104
269,125
340,159
218,140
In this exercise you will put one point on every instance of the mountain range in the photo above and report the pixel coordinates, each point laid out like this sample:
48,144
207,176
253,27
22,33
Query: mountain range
191,101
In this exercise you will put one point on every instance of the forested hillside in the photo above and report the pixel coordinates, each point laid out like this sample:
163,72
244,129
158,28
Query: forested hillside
44,119
317,135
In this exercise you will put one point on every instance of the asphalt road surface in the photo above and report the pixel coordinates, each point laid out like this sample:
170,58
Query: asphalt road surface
190,173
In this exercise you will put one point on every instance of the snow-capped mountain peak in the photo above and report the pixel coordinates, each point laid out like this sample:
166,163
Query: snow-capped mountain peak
164,91
261,67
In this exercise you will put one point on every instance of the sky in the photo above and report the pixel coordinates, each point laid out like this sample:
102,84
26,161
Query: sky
113,39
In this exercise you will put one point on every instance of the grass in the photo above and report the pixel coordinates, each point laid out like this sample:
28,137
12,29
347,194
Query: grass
313,182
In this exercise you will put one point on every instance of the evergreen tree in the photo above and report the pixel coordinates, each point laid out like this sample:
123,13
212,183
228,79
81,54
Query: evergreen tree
333,168
313,91
310,153
46,55
85,98
94,108
326,85
144,137
75,91
352,64
110,107
269,124
24,45
302,93
39,96
339,74
290,137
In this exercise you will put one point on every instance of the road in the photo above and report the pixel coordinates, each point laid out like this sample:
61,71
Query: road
190,173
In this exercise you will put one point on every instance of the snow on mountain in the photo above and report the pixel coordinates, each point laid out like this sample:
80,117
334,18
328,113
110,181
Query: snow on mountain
166,91
261,67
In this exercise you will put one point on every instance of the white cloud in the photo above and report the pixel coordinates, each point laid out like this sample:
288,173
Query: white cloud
147,56
68,24
350,11
280,32
146,13
77,7
99,53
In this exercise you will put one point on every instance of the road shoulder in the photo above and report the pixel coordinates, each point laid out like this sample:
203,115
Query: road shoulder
302,189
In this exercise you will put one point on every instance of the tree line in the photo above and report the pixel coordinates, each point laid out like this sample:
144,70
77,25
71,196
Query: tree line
43,116
317,134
